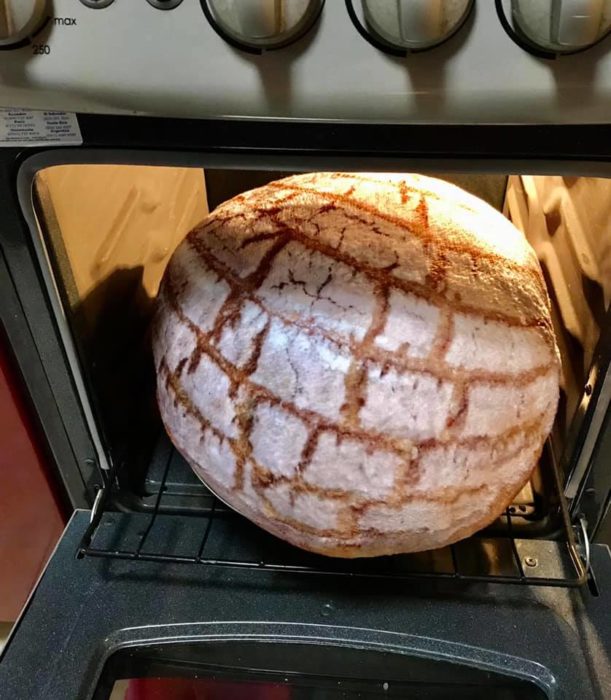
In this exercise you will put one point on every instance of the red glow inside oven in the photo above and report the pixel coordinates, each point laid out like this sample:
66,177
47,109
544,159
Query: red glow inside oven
208,689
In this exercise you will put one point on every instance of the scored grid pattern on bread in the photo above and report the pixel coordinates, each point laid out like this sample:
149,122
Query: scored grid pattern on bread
300,401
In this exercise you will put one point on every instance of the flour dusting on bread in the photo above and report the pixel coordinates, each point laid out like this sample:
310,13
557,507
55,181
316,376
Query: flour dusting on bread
360,364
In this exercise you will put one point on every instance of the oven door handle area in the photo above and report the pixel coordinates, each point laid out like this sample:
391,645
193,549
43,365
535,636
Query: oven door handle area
204,635
86,611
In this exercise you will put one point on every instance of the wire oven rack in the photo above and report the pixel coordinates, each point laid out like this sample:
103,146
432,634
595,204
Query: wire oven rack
512,551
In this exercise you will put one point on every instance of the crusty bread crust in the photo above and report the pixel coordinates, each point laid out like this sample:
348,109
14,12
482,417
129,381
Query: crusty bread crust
360,364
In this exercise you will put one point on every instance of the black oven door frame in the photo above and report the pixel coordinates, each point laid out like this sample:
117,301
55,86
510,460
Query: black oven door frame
37,340
86,610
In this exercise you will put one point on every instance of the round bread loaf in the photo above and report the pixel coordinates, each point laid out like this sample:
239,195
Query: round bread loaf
360,364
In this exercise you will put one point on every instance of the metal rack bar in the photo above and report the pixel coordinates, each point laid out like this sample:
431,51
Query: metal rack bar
296,569
514,549
155,513
573,577
455,574
202,546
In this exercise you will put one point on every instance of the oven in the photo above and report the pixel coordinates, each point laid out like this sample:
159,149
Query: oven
156,112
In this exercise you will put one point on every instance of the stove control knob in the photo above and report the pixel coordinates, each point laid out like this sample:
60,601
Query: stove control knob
262,24
413,25
562,26
19,19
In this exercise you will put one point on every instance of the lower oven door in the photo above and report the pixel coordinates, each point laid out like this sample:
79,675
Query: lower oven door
98,627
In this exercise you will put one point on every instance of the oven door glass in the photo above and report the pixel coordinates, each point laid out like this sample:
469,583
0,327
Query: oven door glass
273,671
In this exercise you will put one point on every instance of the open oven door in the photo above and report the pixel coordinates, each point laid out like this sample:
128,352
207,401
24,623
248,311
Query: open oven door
177,630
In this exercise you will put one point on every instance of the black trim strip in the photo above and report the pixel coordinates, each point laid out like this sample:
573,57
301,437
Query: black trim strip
315,138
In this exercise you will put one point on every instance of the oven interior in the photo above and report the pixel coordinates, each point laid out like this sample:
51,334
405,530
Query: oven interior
105,233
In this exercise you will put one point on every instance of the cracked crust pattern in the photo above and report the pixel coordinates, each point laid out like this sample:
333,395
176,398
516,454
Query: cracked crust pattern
360,364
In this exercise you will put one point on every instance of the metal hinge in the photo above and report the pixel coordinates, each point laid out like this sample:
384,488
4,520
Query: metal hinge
583,542
96,504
